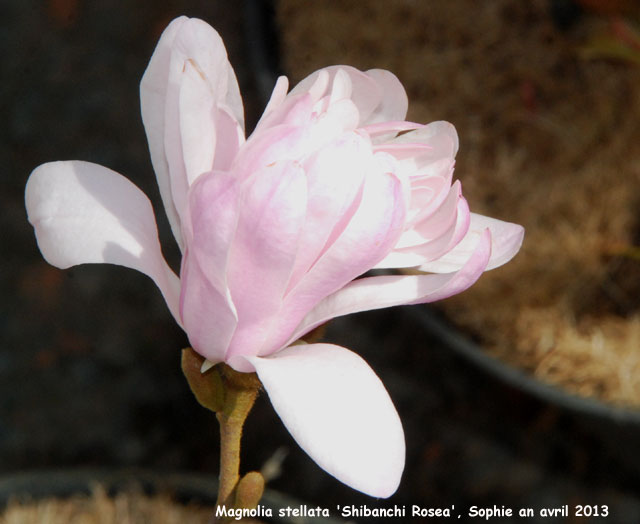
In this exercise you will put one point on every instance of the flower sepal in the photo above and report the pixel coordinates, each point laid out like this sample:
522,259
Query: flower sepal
207,387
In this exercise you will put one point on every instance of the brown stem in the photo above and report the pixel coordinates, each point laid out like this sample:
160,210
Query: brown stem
241,390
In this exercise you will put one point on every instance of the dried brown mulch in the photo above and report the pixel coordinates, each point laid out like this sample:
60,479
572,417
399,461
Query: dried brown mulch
548,139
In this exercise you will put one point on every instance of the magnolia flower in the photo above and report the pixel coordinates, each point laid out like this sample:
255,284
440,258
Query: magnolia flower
275,229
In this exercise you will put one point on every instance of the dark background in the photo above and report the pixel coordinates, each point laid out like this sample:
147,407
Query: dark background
89,357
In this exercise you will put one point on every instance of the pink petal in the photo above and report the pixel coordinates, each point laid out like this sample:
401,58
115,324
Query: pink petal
84,213
272,214
208,313
393,103
365,92
395,290
437,223
417,255
229,138
292,110
440,135
506,242
279,143
371,233
206,306
339,412
404,149
335,175
278,97
440,143
390,127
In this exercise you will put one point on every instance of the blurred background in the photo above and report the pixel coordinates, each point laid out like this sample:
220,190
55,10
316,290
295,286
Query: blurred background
546,99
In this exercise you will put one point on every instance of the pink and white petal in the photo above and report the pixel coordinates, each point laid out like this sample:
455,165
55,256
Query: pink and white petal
369,236
271,217
427,192
438,223
196,110
209,133
433,249
153,92
199,43
185,41
278,96
335,176
340,117
395,290
293,110
207,309
208,313
440,135
506,242
404,150
389,127
84,213
339,412
274,144
341,87
229,138
365,92
394,102
439,141
210,226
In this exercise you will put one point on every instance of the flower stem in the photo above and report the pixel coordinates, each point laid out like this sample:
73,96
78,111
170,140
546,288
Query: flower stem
241,390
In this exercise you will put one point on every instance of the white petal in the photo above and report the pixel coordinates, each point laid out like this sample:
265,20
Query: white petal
153,92
278,96
197,124
85,213
186,46
365,93
393,103
506,240
339,412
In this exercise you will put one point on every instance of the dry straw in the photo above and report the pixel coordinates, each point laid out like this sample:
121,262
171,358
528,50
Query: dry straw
548,140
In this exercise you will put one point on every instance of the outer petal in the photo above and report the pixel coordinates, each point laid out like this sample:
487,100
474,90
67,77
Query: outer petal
209,134
187,45
339,412
85,213
207,309
271,217
153,92
396,290
506,242
197,51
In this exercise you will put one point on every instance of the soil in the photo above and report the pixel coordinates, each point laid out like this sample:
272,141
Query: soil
549,139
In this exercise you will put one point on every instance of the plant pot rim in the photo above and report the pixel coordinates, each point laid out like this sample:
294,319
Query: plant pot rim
454,339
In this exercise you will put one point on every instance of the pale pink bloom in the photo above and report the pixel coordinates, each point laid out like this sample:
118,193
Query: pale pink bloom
275,229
